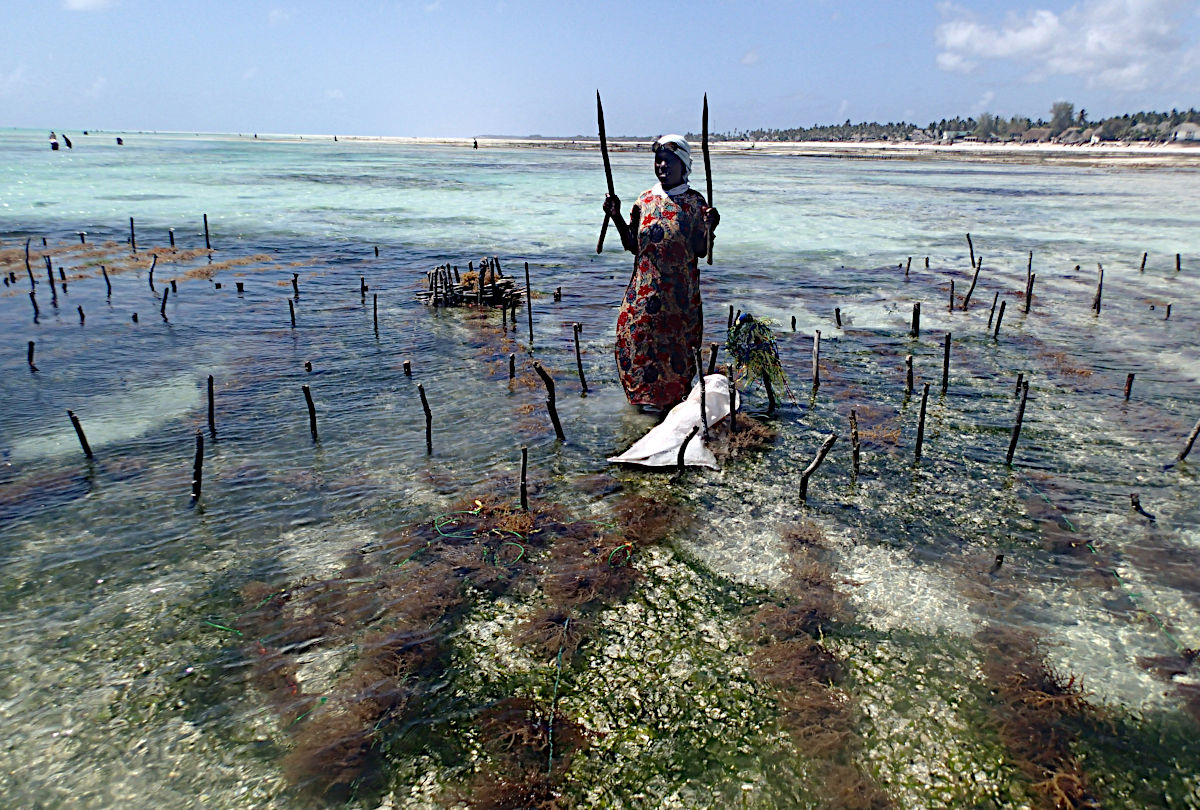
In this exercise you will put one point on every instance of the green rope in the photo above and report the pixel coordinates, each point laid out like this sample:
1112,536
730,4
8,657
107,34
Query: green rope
223,627
307,713
627,547
554,701
518,545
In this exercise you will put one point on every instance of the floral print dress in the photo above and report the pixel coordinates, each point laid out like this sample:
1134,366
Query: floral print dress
660,325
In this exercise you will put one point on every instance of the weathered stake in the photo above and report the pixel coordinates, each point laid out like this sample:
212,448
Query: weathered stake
407,368
578,357
529,307
312,412
855,448
87,448
837,316
946,363
921,422
33,300
524,481
816,360
1016,431
1099,288
550,402
512,366
908,375
1178,261
81,315
1128,385
971,246
162,309
712,358
198,467
296,285
999,318
428,419
680,466
207,242
703,394
992,313
974,279
375,310
1029,291
951,307
1191,439
132,237
212,410
292,312
32,367
812,467
1142,269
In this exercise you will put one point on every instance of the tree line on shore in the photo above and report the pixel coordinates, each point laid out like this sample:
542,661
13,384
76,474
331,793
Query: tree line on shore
1064,125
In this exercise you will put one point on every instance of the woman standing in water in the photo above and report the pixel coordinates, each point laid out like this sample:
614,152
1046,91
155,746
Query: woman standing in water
661,326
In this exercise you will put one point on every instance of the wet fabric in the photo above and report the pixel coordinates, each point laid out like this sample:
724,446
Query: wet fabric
660,325
660,447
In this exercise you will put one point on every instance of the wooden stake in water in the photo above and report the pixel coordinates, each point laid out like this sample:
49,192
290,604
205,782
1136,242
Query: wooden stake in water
908,266
550,402
855,447
951,307
1142,269
908,375
296,285
579,358
212,411
312,412
33,300
375,310
999,318
1016,431
712,358
153,264
793,323
812,467
1128,385
524,482
1191,439
171,236
241,287
162,310
87,448
992,313
971,247
730,316
198,467
407,368
529,308
1020,381
107,283
703,394
292,312
207,241
428,419
946,363
50,276
816,360
81,316
921,422
1099,288
1178,261
1029,290
132,237
974,280
512,366
32,367
916,320
837,317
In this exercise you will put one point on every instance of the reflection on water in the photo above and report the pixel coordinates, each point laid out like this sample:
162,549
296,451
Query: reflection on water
133,621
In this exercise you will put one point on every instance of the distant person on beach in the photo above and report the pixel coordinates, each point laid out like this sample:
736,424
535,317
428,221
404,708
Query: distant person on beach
53,142
661,325
475,143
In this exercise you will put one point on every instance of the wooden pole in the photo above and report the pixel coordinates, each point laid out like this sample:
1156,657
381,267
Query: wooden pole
730,316
153,264
312,412
81,316
916,320
575,328
1178,261
974,279
999,318
28,269
198,467
1128,385
132,237
1191,439
407,368
921,422
212,409
1029,291
1142,269
951,307
207,241
1020,381
926,262
171,236
1016,431
162,309
1099,288
524,480
33,300
992,313
908,266
1167,318
32,367
855,447
550,402
512,366
946,363
837,316
816,360
712,358
971,246
50,276
812,467
241,286
908,375
793,323
1029,268
375,310
87,448
529,308
703,393
680,466
428,419
733,403
292,312
296,285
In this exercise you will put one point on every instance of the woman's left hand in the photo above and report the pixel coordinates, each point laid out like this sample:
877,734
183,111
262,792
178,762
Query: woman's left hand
712,218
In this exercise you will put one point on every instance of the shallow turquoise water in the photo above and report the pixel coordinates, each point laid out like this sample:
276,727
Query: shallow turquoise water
110,575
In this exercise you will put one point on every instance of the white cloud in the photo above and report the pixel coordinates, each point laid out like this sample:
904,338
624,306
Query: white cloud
86,5
12,80
278,16
984,101
750,58
1122,45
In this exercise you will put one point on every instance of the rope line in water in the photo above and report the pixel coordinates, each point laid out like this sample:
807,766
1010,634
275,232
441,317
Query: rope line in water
307,713
554,700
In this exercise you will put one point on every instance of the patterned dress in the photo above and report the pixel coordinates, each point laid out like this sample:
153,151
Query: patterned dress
660,325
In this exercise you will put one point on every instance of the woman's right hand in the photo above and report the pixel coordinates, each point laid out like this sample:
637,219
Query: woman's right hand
612,205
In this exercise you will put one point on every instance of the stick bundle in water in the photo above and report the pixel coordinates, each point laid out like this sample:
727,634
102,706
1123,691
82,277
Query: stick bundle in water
551,405
812,467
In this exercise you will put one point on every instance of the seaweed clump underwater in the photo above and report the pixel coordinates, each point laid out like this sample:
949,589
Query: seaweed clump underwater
389,616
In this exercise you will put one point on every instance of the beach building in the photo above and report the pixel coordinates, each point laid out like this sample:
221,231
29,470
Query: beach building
1036,135
1072,135
1186,132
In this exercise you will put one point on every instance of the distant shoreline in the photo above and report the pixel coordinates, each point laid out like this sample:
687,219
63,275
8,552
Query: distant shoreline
1131,155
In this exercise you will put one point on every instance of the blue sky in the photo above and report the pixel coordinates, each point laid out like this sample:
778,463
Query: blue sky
461,67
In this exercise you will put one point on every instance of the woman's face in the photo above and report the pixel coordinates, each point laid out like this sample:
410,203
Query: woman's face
668,167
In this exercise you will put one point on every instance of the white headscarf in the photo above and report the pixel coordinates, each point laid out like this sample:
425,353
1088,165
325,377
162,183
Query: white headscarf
680,148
